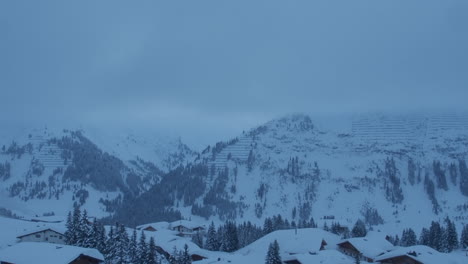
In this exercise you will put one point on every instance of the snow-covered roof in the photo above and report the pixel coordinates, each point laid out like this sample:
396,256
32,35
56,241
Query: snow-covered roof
41,229
34,252
371,245
300,241
167,240
156,225
424,255
325,256
186,223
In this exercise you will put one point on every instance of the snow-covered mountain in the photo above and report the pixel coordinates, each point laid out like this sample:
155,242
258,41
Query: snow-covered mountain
47,170
397,170
403,171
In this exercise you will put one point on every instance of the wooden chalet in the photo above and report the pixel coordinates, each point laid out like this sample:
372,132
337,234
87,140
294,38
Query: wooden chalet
366,248
36,252
49,235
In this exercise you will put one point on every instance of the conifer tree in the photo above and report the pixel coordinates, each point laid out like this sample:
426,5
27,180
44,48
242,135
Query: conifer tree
142,249
111,251
121,241
359,229
151,255
185,256
408,238
450,236
84,231
70,236
273,255
424,238
133,248
198,239
174,257
435,236
464,237
211,239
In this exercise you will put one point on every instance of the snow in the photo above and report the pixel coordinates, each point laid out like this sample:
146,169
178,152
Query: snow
32,252
293,241
324,256
10,229
57,229
371,245
156,225
186,223
425,255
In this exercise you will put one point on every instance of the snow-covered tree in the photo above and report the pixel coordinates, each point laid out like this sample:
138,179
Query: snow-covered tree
70,234
212,239
436,236
424,237
185,256
408,238
464,237
450,240
230,240
273,255
151,255
142,249
359,229
133,248
84,231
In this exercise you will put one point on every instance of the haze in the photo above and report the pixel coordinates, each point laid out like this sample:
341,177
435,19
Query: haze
210,69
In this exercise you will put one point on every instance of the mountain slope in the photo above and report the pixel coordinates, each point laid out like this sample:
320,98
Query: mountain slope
403,171
45,171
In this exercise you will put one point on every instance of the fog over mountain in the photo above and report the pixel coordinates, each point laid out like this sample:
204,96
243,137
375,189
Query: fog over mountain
215,68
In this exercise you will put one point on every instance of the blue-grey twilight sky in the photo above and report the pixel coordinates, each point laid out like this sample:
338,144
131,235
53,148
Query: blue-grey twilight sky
213,67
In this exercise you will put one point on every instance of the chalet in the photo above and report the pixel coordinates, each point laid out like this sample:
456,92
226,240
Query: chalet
402,259
325,256
45,234
28,252
153,227
418,255
199,255
186,228
367,248
149,228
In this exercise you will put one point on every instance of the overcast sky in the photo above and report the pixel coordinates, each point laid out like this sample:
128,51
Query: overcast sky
214,68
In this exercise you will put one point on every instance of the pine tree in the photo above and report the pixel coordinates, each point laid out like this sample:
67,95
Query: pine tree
230,240
273,255
73,235
101,241
94,235
408,238
359,229
142,248
151,255
211,239
267,226
174,257
464,237
185,256
450,241
70,236
84,231
121,241
424,238
133,248
435,236
111,251
197,239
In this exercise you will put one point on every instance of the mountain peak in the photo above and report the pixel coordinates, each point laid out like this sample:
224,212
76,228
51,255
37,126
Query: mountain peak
296,122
